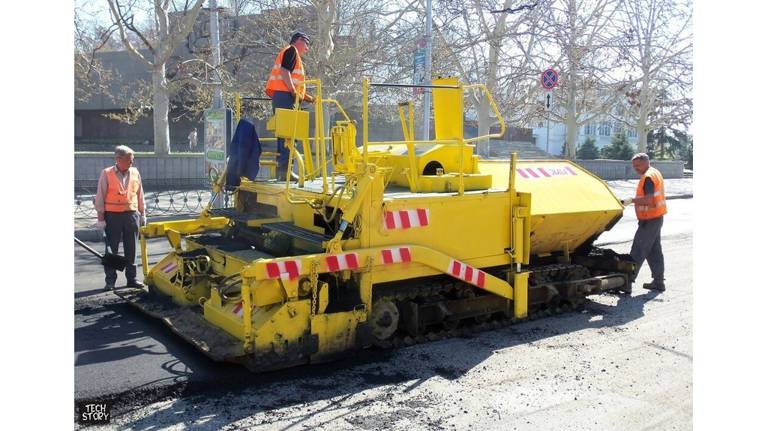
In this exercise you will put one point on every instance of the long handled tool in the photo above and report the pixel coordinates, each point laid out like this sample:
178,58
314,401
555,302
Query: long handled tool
107,259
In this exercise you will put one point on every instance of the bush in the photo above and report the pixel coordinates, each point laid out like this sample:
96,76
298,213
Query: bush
588,150
619,149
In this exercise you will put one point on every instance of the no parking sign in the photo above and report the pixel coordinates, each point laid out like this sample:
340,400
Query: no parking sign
549,78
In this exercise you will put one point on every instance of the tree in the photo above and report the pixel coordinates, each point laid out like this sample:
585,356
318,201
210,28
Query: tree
588,150
666,142
581,34
657,48
619,149
496,49
160,41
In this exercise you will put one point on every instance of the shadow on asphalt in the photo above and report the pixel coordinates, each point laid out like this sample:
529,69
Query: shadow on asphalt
202,382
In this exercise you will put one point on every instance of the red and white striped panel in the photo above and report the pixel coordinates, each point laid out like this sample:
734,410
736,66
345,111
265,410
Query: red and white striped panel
406,219
339,262
462,271
239,309
546,172
169,268
289,269
396,255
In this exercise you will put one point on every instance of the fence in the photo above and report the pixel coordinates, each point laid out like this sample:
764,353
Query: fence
622,169
175,184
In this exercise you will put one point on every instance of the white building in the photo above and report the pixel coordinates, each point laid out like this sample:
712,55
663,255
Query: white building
601,131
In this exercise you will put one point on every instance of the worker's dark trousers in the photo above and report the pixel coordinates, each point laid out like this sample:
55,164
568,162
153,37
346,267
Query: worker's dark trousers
123,227
647,246
284,100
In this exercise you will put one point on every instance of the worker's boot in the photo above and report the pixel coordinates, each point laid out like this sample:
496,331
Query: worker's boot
655,285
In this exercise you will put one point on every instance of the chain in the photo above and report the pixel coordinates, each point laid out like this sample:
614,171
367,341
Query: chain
313,281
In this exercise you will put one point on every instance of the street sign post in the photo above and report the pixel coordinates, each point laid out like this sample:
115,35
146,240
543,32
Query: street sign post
218,132
549,79
549,101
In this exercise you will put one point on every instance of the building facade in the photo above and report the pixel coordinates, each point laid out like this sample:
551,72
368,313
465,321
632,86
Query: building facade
602,131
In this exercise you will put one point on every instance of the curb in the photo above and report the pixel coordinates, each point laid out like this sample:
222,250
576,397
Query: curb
680,197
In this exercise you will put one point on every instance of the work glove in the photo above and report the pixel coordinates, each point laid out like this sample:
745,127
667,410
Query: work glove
626,201
142,220
101,224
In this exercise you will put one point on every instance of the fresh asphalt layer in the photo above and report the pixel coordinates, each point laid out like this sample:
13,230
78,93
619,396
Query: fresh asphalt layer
123,355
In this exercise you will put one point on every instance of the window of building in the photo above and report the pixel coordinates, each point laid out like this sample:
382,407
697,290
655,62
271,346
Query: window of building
604,129
618,128
632,132
589,129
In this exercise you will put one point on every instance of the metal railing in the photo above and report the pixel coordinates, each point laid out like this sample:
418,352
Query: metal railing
161,197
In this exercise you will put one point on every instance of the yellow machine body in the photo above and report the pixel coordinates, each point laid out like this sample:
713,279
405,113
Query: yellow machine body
302,271
571,205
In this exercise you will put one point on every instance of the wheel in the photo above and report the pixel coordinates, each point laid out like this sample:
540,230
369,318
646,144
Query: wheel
384,319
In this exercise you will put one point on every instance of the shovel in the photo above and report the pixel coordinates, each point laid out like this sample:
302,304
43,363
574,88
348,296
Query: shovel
107,259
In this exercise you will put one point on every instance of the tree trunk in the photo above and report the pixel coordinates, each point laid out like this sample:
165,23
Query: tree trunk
160,110
571,125
642,131
570,136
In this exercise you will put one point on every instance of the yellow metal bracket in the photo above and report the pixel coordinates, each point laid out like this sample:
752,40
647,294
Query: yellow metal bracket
419,254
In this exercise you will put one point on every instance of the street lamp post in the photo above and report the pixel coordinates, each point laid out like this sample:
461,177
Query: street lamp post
218,98
428,72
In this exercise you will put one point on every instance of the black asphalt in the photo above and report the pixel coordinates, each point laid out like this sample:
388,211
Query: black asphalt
125,356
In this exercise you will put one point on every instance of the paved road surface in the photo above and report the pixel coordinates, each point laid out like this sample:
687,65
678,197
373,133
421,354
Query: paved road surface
623,364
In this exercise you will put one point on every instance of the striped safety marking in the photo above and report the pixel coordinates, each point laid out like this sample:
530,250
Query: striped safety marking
462,271
289,269
239,309
396,255
560,171
169,267
338,262
406,219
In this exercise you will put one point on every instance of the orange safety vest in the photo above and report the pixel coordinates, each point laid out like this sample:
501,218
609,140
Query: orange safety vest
659,206
119,199
275,81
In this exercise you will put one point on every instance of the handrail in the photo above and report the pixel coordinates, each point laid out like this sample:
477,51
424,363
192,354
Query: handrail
495,111
422,142
338,105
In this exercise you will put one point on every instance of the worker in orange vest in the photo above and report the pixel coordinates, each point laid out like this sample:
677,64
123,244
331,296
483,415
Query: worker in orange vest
285,84
120,208
650,207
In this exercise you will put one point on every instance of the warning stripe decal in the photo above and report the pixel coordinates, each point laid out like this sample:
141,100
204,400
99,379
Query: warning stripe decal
396,255
546,172
170,267
406,219
462,271
339,262
289,269
238,309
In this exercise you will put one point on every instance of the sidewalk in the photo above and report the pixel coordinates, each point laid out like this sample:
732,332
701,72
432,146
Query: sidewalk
678,188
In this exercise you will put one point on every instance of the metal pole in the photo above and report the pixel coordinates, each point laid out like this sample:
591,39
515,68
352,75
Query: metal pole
428,72
218,99
548,133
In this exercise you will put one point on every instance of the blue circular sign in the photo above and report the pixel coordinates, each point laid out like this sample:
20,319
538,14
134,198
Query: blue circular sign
549,79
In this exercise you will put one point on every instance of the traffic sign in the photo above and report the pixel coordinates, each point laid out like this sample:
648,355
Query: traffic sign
549,79
419,69
549,101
